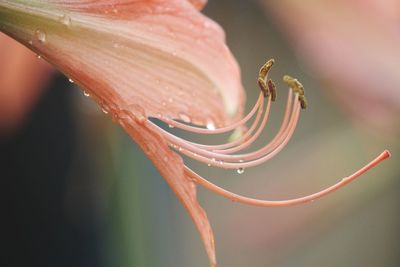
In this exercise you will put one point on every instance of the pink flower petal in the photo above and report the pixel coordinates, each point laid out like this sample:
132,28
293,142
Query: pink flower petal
161,55
140,59
171,168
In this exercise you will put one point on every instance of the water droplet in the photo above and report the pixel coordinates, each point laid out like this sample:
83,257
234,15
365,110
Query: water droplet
38,56
209,164
180,149
170,126
40,36
221,162
140,114
140,119
104,110
149,148
86,94
30,42
115,10
65,20
184,117
210,125
240,170
70,80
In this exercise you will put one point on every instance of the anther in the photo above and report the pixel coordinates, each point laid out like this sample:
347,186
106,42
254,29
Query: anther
262,75
303,101
297,87
272,89
294,84
263,86
265,68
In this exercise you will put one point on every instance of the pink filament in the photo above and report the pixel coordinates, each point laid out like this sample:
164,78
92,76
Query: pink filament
240,160
219,130
290,202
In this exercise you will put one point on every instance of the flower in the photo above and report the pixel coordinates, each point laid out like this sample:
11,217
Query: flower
147,60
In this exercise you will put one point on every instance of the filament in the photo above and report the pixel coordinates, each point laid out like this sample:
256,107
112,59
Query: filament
290,202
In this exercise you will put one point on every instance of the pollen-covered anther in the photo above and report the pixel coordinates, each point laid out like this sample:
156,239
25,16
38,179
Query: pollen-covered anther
272,89
263,86
262,77
298,88
303,101
264,70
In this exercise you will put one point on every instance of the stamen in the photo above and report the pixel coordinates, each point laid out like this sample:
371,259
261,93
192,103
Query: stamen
239,160
290,202
227,156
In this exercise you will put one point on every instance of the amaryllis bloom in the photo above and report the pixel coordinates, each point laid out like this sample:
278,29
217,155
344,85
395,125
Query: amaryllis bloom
147,60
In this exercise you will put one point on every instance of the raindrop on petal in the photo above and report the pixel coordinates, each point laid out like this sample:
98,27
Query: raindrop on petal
65,20
210,125
40,36
140,114
184,117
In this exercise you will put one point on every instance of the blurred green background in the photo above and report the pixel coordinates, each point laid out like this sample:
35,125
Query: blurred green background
117,211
